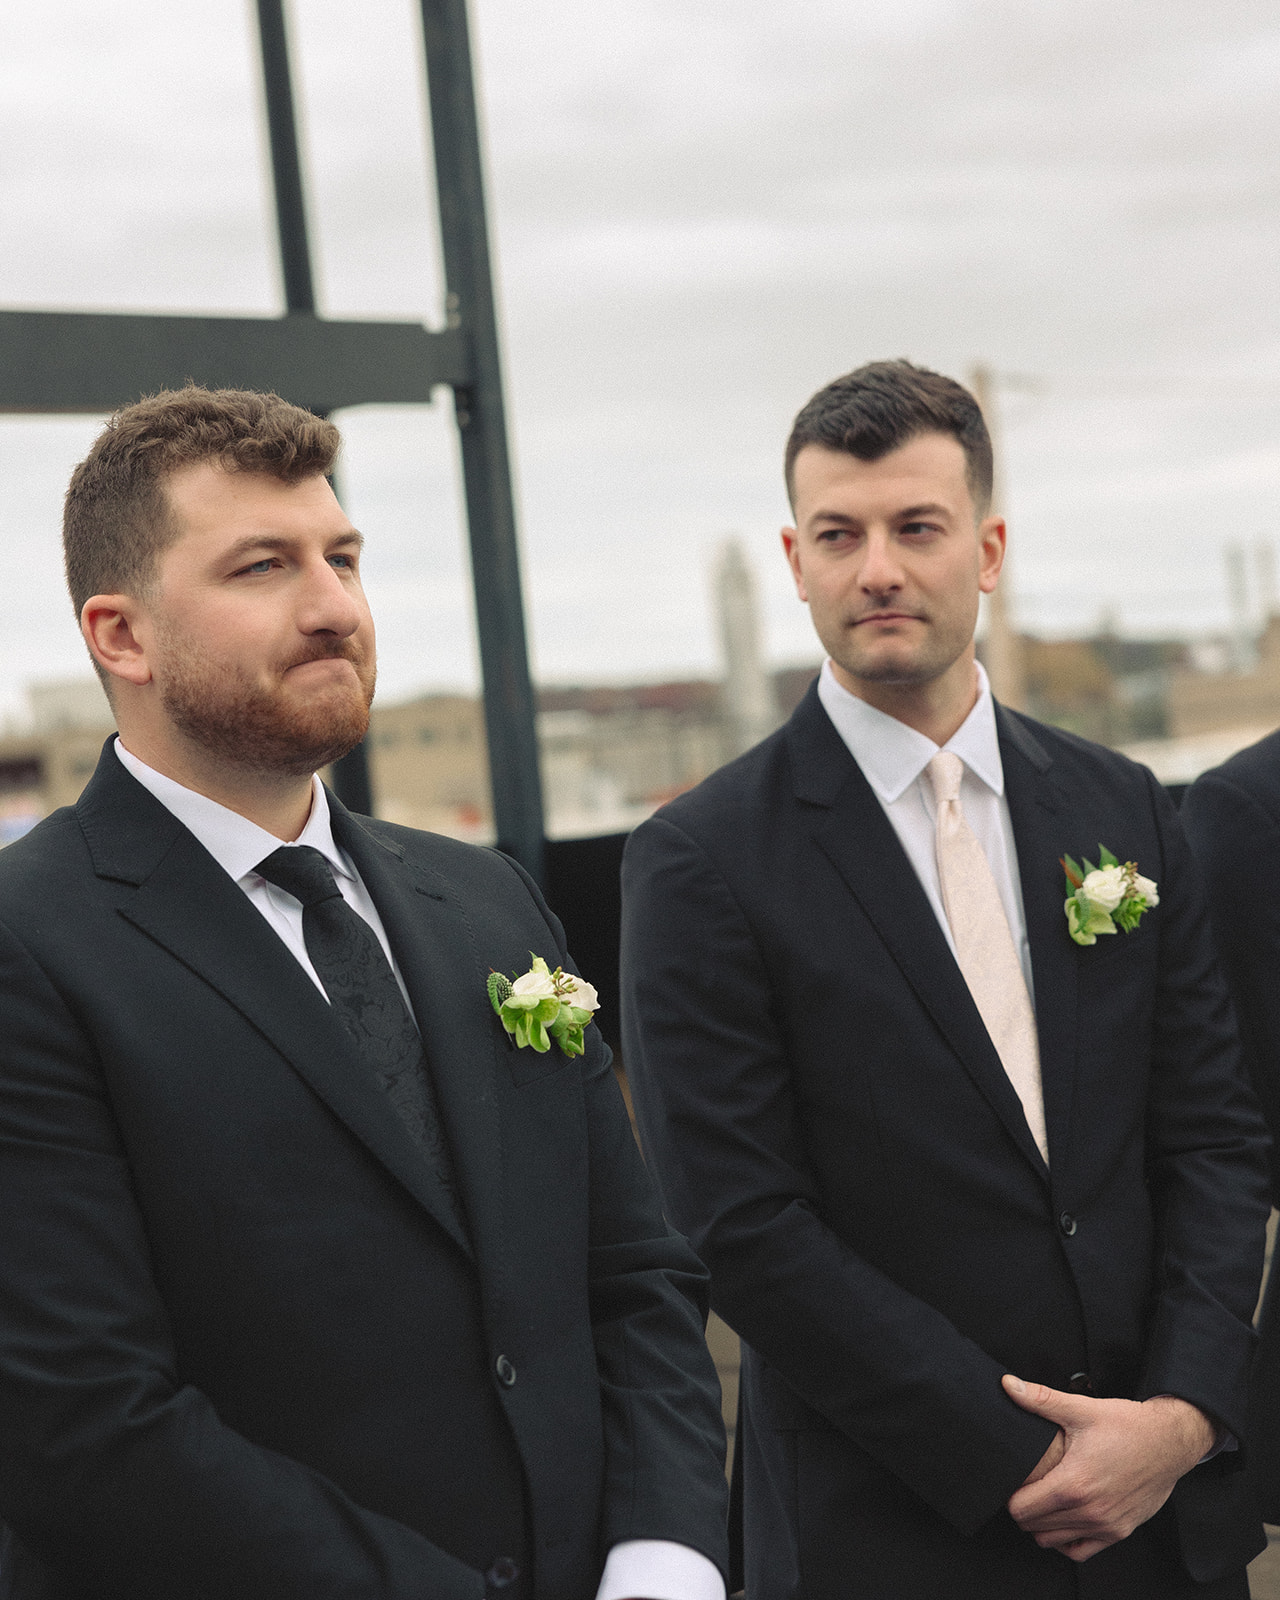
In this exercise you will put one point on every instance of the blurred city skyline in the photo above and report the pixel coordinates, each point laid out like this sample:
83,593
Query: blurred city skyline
702,210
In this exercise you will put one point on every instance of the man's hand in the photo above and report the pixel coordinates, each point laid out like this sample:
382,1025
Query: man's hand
1112,1466
1048,1461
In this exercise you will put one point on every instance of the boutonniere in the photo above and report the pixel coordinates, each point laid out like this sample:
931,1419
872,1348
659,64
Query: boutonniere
1106,897
541,1005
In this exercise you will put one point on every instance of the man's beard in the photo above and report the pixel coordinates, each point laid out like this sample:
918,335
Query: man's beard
261,730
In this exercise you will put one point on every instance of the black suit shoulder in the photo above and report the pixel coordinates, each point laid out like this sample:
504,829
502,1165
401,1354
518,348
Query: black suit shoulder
1253,772
55,846
454,859
742,788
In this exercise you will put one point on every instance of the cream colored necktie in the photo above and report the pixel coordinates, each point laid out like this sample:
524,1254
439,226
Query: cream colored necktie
984,944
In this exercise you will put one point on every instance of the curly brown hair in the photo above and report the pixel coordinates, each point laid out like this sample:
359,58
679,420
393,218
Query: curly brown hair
117,521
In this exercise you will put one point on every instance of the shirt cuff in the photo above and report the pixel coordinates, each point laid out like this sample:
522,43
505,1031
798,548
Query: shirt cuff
657,1569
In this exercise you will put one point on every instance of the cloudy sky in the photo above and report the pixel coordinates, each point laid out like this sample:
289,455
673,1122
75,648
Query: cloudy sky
702,210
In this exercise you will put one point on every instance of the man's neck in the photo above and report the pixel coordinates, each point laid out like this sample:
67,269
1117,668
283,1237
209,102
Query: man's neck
937,709
280,803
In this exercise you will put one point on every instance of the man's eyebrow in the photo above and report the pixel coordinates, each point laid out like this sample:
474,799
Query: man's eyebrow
278,541
930,508
843,519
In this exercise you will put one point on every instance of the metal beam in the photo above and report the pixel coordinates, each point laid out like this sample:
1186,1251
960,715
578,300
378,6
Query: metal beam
94,362
510,710
286,167
58,361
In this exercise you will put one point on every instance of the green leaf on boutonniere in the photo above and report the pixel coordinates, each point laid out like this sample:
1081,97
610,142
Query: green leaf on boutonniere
541,1005
1107,898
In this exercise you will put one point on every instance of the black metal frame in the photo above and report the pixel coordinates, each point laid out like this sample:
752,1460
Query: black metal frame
54,361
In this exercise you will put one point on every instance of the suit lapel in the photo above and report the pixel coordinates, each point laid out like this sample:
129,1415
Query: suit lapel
434,946
1036,807
851,829
177,895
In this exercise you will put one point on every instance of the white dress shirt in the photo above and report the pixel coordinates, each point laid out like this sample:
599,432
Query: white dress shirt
893,758
637,1569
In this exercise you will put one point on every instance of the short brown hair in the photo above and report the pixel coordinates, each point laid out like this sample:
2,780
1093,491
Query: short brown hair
881,406
116,520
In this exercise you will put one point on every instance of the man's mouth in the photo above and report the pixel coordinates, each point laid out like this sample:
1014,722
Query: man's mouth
344,650
887,616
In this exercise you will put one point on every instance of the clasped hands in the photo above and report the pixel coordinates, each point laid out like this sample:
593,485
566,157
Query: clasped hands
1112,1466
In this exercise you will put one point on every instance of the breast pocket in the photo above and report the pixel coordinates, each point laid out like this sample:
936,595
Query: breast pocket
533,1066
1137,946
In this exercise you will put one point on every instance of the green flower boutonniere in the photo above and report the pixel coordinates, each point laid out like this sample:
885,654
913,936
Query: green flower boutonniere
1102,899
542,1005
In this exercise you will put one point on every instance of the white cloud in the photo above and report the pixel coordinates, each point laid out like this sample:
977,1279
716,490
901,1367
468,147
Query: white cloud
702,210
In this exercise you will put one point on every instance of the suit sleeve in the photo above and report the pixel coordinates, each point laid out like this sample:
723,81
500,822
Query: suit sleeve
706,1054
1236,839
111,1469
1205,1159
663,1432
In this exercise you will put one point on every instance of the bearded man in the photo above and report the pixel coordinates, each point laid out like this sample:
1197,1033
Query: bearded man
313,1286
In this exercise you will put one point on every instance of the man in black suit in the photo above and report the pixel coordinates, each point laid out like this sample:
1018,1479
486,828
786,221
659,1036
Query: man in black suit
1232,819
313,1286
984,1203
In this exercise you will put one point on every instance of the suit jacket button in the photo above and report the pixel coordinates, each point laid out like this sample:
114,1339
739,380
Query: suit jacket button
506,1372
1067,1223
1080,1383
501,1575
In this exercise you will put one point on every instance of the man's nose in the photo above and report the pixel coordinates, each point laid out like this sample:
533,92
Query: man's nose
329,603
881,571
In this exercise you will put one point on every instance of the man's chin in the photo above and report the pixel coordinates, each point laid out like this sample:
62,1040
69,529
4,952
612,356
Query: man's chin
322,734
890,672
288,735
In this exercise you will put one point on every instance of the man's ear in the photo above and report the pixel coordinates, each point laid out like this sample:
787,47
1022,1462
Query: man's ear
791,544
110,625
991,548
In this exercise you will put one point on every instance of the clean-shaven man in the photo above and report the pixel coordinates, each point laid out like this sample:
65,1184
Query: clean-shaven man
985,1203
312,1285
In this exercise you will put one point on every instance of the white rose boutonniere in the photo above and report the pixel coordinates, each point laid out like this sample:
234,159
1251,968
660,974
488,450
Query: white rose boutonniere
541,1005
1104,899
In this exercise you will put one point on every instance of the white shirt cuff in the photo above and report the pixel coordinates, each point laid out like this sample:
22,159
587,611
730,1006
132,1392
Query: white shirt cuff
657,1569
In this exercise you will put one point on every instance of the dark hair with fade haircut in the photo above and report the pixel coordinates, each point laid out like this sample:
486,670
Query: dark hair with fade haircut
880,407
117,521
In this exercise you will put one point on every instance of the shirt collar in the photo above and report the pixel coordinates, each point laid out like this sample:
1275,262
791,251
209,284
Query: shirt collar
235,843
892,755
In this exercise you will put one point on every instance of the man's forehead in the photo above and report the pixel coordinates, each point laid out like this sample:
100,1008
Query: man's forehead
929,468
224,505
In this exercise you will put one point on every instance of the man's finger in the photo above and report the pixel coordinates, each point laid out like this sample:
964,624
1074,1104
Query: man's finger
1075,1549
1067,1410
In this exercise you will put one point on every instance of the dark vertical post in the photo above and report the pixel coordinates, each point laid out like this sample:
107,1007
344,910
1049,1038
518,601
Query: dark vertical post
286,169
350,775
495,564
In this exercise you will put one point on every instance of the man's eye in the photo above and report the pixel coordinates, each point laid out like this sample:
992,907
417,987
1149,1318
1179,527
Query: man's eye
264,565
918,527
341,561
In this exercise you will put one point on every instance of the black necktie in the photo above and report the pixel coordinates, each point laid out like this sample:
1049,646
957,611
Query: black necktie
353,967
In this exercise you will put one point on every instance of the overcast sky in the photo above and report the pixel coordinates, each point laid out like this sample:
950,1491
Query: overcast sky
702,209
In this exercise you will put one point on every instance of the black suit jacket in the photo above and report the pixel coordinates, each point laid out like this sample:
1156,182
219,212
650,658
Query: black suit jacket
831,1125
1232,818
245,1350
